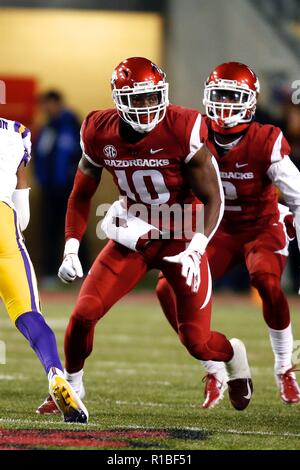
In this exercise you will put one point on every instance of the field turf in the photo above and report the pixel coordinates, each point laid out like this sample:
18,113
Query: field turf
143,390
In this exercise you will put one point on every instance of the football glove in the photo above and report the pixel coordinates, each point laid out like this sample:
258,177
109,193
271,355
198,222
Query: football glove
71,266
190,260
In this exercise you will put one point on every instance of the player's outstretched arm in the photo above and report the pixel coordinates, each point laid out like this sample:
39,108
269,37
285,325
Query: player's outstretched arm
86,182
205,182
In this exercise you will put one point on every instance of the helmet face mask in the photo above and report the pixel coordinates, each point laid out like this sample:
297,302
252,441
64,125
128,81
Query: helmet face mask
142,118
231,102
141,104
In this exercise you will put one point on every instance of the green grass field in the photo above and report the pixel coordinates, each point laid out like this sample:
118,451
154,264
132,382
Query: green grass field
143,389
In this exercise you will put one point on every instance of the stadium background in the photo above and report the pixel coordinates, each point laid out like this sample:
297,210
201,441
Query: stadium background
143,390
73,46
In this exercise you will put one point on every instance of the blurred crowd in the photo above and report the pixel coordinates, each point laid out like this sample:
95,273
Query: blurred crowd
56,155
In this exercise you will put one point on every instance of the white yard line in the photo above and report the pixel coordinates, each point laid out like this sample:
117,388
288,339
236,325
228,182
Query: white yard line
150,404
13,377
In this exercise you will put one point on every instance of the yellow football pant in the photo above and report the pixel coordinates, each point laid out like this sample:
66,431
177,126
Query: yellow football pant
18,286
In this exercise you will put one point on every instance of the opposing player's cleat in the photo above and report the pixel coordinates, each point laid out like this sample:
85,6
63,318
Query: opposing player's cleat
66,399
288,387
48,407
240,387
215,386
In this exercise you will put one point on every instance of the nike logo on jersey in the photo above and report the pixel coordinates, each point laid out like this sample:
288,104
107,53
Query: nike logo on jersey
155,151
241,165
247,397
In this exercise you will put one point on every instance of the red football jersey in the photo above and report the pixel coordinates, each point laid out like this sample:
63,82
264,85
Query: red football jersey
250,196
151,171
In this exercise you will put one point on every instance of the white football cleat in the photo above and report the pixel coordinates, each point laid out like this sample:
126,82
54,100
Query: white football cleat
240,387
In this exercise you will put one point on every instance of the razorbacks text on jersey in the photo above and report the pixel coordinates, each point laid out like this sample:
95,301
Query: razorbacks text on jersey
150,171
250,195
15,148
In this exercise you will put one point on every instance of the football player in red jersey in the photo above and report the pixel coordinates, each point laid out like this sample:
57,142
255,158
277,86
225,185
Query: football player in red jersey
154,153
253,160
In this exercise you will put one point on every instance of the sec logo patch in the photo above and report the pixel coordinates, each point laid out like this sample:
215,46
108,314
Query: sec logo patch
110,151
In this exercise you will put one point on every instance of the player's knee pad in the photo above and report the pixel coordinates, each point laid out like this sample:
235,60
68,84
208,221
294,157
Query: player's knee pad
88,309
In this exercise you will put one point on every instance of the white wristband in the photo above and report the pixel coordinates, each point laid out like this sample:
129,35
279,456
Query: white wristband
71,247
198,243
